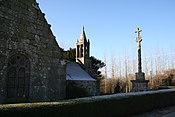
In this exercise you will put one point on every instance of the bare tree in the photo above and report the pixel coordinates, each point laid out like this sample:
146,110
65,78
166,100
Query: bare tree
119,68
126,73
134,64
106,76
151,71
112,66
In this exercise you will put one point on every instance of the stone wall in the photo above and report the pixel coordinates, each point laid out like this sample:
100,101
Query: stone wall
89,86
82,88
24,30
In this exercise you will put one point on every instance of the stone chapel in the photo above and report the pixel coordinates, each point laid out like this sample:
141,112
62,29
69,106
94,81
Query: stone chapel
81,81
31,61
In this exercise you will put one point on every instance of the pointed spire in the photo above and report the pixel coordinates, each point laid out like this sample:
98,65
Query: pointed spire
83,28
83,35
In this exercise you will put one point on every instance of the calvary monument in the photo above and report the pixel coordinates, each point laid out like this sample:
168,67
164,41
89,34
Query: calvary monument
140,84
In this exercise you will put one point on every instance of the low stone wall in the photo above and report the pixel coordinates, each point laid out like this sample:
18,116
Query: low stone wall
100,106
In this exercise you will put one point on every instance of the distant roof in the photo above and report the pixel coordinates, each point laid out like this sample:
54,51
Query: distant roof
76,72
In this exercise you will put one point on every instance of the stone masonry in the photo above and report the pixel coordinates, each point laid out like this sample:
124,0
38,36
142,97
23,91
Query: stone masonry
140,84
25,35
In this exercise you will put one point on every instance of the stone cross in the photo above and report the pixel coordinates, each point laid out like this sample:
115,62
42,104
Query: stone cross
140,84
139,40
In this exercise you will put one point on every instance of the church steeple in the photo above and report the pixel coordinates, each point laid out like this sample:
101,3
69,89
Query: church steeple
83,49
83,35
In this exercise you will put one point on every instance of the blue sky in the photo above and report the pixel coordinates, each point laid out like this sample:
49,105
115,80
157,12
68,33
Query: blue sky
110,24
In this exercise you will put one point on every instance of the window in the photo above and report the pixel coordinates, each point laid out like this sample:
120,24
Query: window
18,76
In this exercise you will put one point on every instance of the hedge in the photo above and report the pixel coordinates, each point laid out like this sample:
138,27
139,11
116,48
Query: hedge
99,106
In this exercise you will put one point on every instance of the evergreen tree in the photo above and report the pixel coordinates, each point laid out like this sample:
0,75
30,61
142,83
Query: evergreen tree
96,64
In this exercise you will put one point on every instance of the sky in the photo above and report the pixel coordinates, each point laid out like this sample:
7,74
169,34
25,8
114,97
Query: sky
110,24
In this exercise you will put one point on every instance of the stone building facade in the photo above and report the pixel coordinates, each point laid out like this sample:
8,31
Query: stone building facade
31,67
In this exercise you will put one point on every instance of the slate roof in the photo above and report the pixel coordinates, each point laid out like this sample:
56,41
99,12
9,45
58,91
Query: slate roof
75,72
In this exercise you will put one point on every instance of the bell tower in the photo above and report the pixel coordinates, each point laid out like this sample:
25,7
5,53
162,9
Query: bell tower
83,50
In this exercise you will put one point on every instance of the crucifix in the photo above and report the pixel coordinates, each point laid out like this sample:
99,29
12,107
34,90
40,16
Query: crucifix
139,84
139,40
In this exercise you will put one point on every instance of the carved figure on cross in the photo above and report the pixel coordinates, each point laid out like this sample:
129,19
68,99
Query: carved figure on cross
138,38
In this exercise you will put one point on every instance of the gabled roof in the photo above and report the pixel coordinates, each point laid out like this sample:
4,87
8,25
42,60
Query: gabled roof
76,72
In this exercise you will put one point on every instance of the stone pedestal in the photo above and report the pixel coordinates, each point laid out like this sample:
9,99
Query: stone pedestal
140,84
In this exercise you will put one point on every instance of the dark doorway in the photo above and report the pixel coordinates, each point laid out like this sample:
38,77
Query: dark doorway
18,77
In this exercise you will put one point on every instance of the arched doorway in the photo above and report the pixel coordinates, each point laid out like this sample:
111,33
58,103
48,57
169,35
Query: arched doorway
18,77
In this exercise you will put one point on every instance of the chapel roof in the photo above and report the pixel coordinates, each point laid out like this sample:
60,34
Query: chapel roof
76,72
